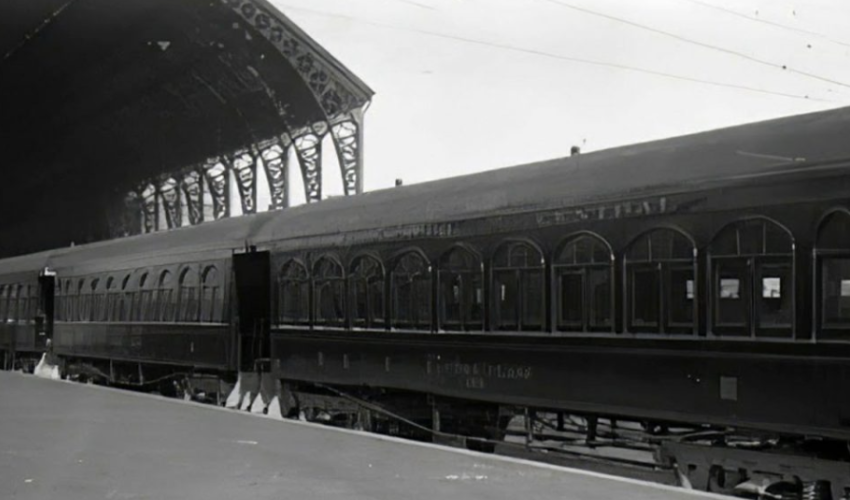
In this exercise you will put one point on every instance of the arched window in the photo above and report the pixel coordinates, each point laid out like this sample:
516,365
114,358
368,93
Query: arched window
832,251
410,282
293,294
583,276
164,306
752,279
142,309
660,292
97,300
83,300
26,295
211,309
518,287
14,302
461,290
124,308
89,301
70,300
110,299
23,302
329,292
15,291
4,303
31,305
366,283
187,296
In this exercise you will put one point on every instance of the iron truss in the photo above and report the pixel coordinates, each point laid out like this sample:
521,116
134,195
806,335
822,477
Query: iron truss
203,192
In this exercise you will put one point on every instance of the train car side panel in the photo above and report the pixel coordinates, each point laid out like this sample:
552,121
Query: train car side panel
743,385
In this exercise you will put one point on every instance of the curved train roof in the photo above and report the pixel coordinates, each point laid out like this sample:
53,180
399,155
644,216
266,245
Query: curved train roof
787,144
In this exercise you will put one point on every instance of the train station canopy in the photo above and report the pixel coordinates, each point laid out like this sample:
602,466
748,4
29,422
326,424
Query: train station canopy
96,95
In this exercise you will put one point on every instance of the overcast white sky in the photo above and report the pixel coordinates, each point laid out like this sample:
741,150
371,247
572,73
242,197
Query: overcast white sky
470,85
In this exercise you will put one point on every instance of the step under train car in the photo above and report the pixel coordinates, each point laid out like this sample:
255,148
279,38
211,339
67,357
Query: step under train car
699,283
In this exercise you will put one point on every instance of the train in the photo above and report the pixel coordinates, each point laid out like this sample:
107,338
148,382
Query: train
700,281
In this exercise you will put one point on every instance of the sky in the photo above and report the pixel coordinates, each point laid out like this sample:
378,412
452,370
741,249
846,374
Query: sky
466,86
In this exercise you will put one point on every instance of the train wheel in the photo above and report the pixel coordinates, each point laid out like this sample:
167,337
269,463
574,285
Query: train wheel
784,490
724,481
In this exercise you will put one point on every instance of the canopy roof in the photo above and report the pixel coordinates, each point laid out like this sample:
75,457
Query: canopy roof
97,95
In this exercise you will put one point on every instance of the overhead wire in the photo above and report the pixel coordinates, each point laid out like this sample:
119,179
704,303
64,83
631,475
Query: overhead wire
709,46
551,55
769,23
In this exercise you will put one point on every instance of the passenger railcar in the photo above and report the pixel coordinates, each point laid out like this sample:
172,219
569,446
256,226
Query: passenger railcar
701,280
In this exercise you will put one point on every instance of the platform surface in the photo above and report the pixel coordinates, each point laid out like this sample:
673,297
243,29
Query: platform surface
75,442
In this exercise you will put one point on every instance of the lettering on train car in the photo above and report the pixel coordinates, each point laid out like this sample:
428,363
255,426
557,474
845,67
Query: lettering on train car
476,375
633,208
422,230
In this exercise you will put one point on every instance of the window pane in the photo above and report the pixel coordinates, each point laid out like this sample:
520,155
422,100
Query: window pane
732,296
505,288
324,297
645,292
209,304
450,297
411,291
422,303
376,301
360,304
473,299
771,288
572,299
367,288
834,233
726,243
836,291
751,237
730,288
532,297
599,282
403,297
516,254
680,297
295,295
774,302
330,307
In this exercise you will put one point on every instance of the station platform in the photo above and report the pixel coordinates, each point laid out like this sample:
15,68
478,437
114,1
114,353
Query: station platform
78,442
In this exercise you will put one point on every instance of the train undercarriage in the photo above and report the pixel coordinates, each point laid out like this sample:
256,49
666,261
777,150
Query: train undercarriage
728,461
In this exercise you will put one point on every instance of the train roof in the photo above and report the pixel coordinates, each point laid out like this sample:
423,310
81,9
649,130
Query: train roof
790,144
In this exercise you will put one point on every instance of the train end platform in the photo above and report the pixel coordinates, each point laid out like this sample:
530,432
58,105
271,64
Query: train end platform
78,442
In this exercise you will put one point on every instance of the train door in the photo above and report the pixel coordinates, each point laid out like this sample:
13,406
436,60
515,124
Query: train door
253,307
44,316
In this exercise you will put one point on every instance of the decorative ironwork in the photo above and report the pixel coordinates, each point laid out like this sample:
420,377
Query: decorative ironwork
276,164
170,193
150,208
218,180
327,85
340,96
193,188
348,137
244,167
308,147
